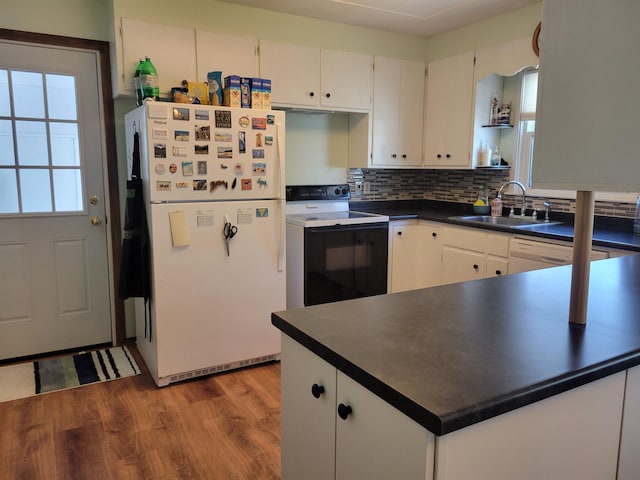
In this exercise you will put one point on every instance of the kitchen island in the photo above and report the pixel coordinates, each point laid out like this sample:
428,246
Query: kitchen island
483,379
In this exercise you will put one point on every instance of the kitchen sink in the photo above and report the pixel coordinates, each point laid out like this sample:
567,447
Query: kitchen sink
513,222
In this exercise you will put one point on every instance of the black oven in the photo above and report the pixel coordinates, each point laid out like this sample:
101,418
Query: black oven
345,261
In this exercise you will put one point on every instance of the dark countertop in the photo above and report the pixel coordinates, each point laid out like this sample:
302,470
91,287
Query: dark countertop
608,232
455,355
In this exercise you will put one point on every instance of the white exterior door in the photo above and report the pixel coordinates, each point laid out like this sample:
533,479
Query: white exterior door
54,265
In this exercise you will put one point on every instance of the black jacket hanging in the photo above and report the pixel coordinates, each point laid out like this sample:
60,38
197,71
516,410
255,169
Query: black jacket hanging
135,280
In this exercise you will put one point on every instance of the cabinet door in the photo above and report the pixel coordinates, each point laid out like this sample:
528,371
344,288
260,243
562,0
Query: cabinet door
398,91
378,442
172,51
461,265
496,266
448,112
308,423
629,464
346,80
430,267
405,246
294,71
230,54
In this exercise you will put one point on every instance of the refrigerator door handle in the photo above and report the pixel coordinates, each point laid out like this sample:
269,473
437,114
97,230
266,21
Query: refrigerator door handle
281,198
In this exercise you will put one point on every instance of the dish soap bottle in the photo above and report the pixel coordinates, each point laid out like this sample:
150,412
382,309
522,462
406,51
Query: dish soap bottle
496,206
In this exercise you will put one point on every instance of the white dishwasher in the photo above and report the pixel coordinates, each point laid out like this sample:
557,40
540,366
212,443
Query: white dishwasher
526,255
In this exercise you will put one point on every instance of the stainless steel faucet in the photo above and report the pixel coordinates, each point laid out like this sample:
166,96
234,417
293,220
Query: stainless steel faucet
524,193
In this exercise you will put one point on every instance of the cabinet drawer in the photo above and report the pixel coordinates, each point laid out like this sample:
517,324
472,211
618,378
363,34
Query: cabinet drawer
464,238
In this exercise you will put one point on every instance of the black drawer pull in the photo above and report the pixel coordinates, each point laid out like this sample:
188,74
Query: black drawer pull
317,390
344,411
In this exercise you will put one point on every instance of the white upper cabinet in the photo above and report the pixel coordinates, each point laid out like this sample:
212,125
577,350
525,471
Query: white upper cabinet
588,101
172,51
309,77
230,54
397,124
448,112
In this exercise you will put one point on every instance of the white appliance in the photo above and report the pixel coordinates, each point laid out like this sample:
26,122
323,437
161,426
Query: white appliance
526,255
333,253
202,167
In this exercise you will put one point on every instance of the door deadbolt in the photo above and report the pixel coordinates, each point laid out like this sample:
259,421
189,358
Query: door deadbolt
94,200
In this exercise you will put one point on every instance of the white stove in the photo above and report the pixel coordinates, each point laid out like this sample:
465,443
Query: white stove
333,253
324,206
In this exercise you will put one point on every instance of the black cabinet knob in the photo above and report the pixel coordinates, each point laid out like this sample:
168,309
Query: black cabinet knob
434,234
448,155
393,155
404,155
327,95
399,234
438,156
344,411
498,272
475,267
317,390
311,94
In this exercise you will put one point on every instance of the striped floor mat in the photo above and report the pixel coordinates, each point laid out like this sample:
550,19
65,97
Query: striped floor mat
32,378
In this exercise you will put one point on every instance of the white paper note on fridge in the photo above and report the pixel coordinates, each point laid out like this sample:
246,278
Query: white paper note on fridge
179,229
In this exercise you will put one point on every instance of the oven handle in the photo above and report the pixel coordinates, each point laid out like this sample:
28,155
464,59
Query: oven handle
349,227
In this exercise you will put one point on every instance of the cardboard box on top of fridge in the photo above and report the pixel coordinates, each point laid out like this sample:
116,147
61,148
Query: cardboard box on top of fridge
231,91
199,90
266,94
245,92
256,93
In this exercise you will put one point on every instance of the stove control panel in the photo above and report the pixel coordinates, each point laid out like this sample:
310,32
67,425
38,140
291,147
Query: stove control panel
317,192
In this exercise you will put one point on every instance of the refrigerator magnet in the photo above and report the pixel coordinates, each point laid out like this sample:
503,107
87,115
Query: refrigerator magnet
259,168
257,153
182,184
202,133
202,167
242,142
258,123
201,149
271,119
234,183
245,183
173,168
218,183
259,139
181,136
187,168
239,168
179,151
262,183
163,185
160,169
262,212
268,140
200,184
225,152
180,113
244,121
202,114
223,119
159,133
223,137
160,150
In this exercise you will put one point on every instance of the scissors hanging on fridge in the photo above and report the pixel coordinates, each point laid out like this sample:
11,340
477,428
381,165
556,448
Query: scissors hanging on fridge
229,231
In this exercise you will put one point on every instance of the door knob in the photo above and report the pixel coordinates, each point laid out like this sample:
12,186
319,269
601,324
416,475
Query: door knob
96,220
94,200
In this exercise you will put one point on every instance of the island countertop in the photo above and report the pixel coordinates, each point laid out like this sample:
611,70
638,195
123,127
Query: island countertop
455,355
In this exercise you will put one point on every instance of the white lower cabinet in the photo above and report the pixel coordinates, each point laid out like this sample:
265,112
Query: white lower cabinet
469,254
629,462
374,441
415,255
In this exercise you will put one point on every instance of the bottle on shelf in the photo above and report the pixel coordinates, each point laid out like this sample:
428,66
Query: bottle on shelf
149,84
495,156
136,83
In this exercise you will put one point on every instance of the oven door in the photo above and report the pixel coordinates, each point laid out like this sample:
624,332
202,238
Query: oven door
344,262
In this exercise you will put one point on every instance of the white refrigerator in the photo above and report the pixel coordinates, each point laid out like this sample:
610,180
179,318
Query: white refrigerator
211,298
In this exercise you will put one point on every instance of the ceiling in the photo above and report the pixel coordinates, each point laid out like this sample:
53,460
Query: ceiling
424,18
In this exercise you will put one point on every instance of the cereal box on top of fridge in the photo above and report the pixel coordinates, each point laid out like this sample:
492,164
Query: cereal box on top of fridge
256,93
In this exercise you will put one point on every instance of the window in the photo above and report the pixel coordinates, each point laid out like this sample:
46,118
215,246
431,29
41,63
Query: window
40,167
526,141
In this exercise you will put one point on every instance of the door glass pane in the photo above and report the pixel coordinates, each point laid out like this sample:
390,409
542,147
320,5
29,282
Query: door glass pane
8,191
61,97
32,143
64,144
6,143
5,107
67,186
36,190
28,95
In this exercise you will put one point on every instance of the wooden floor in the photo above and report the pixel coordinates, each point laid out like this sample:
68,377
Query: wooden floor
220,427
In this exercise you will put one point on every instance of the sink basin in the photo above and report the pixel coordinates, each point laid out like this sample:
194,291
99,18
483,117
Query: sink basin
513,222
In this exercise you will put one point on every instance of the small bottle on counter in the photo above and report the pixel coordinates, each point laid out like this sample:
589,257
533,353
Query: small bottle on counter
496,207
495,156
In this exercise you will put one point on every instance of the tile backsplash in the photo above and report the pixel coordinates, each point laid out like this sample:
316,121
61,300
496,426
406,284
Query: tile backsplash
459,186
